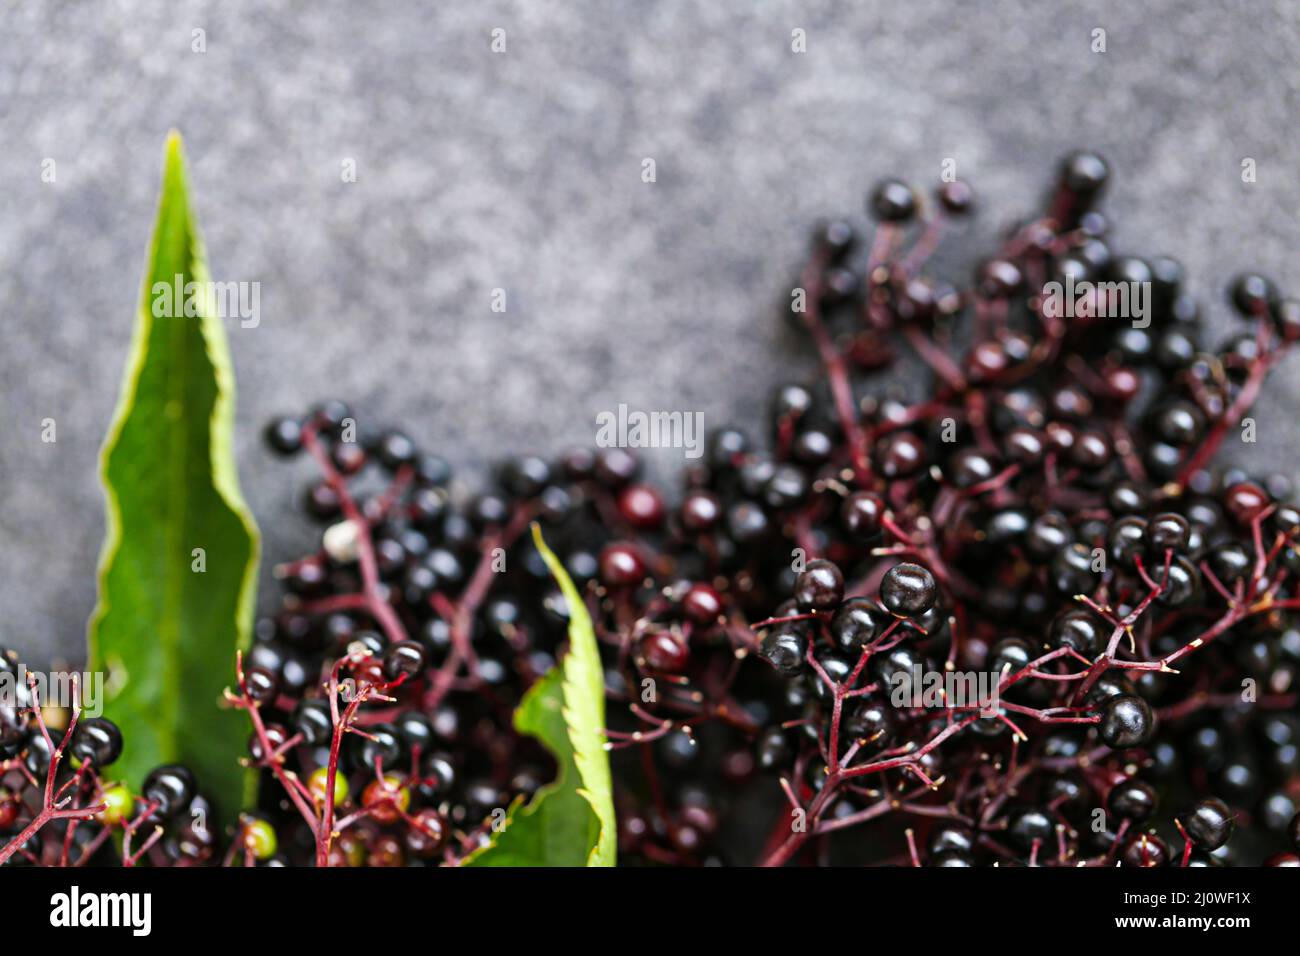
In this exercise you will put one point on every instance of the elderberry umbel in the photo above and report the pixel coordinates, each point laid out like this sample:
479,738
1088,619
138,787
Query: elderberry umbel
948,618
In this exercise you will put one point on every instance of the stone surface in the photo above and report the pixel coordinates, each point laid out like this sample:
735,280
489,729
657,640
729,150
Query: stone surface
521,171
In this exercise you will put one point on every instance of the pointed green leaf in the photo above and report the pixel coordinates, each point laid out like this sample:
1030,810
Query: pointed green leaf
571,821
178,569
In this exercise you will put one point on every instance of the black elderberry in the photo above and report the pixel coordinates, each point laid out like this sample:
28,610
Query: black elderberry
1209,823
1133,800
819,587
1126,721
395,450
403,658
312,721
785,648
856,623
284,436
892,201
1252,294
1029,826
97,741
1084,174
170,788
908,590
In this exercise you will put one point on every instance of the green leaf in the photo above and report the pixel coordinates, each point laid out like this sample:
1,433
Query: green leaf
570,822
165,631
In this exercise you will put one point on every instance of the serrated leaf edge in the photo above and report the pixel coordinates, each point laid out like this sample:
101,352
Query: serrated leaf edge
576,669
221,423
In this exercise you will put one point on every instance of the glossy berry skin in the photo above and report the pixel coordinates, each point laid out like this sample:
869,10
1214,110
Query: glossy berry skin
999,278
1244,501
1145,850
700,512
276,737
258,836
1079,629
1030,824
950,859
621,566
405,658
1168,531
948,837
665,652
1209,823
395,450
524,477
96,741
261,684
119,806
1084,174
785,647
956,197
615,467
1126,721
641,506
1252,295
892,201
900,455
1181,584
908,590
318,783
819,587
834,240
312,720
386,798
773,751
426,835
856,623
383,747
1133,800
702,604
870,722
171,788
1071,570
861,515
283,436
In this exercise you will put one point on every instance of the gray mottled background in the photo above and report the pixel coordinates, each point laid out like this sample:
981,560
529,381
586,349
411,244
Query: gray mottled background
522,171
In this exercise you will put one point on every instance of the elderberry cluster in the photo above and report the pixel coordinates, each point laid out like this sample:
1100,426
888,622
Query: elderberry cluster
980,595
61,806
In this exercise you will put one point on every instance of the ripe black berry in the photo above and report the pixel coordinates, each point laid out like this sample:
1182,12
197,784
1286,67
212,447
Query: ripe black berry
621,566
1126,721
404,657
819,587
1029,825
892,201
171,788
1132,799
1084,174
1252,294
1209,823
856,623
785,647
283,436
311,719
96,741
908,590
